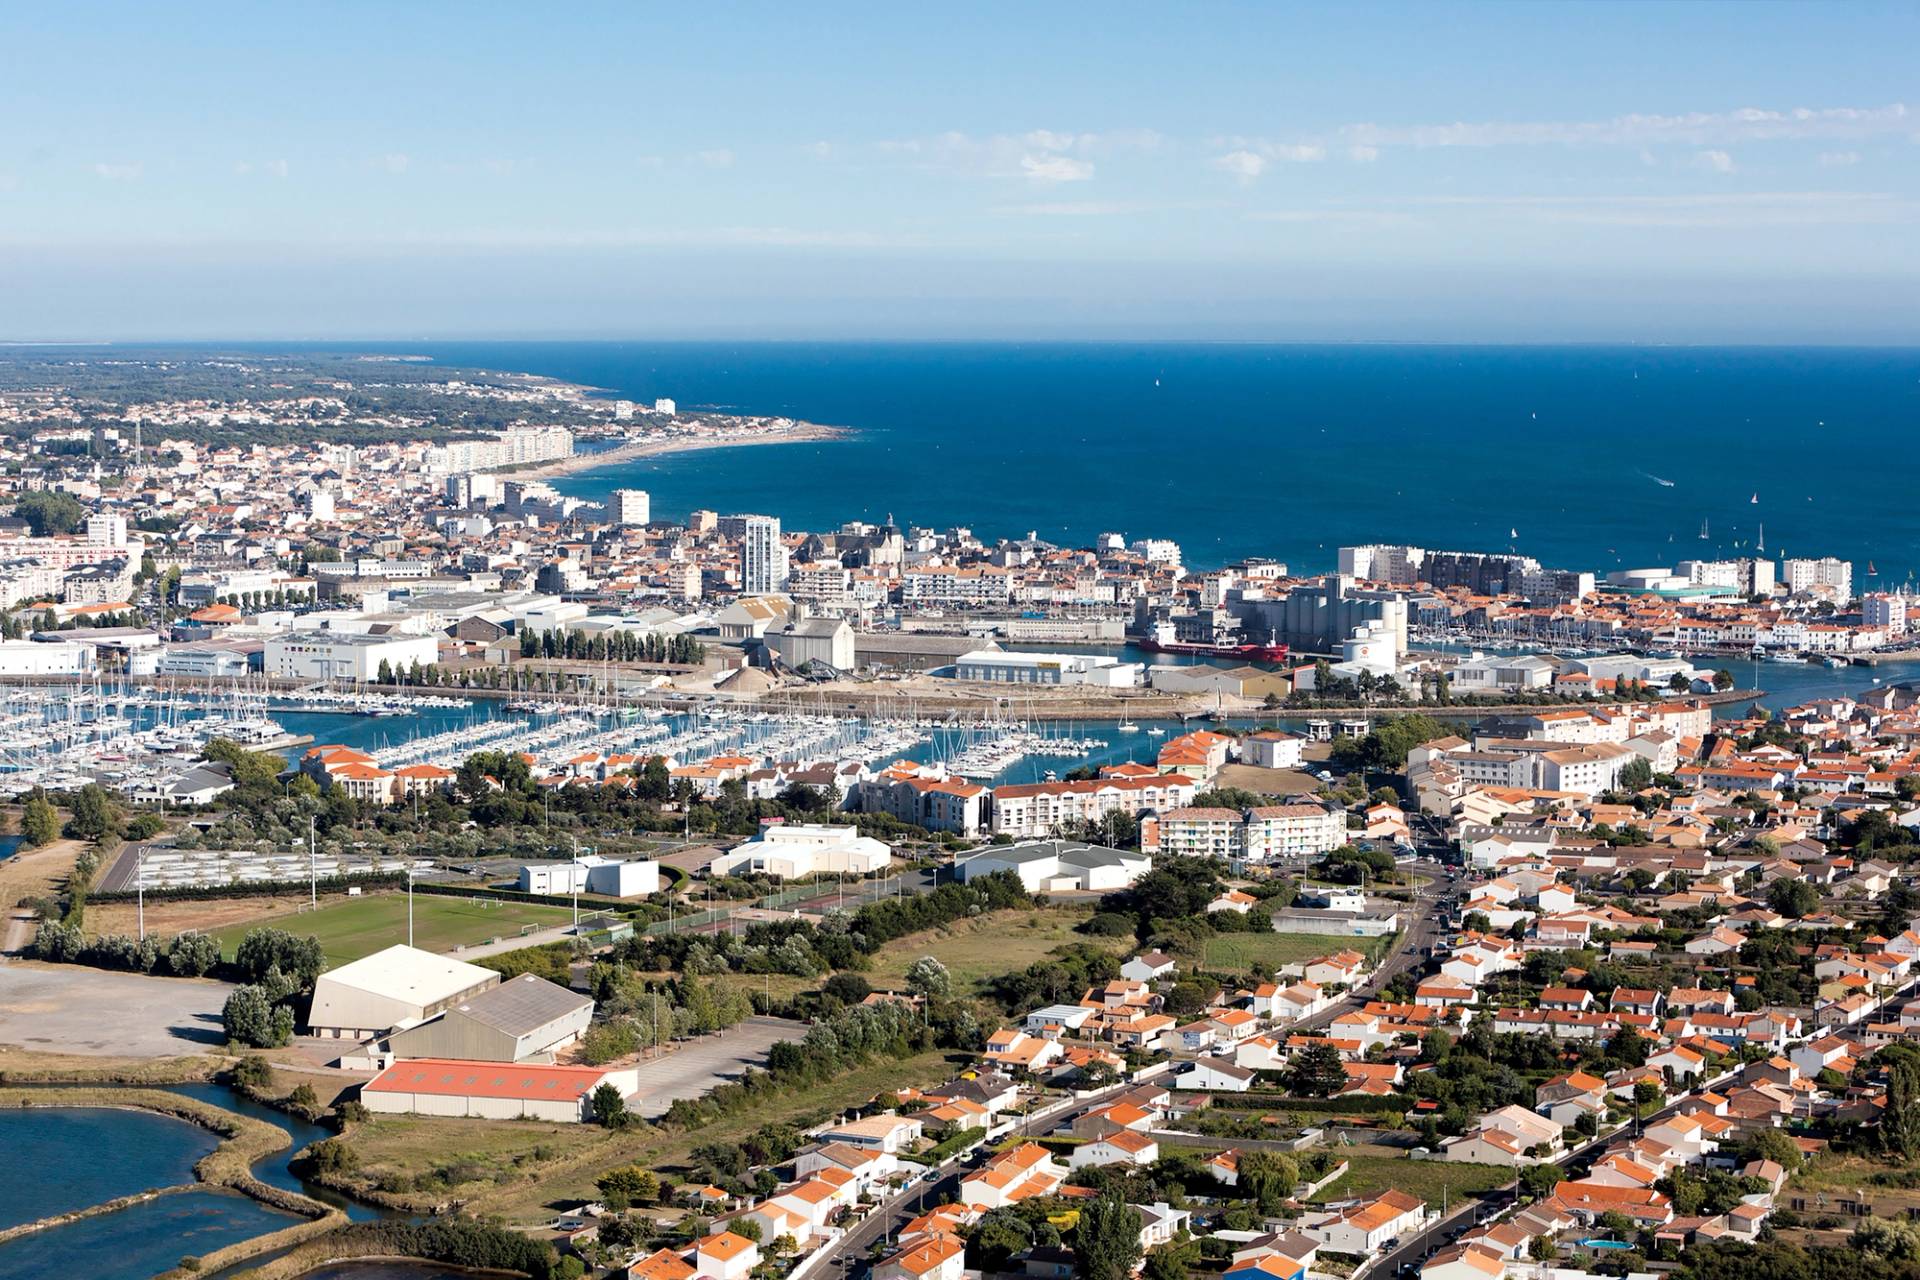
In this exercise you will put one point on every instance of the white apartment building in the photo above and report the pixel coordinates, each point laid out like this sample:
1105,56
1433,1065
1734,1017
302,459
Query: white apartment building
1825,574
763,556
1886,610
949,584
1201,833
631,507
1035,809
1291,831
514,447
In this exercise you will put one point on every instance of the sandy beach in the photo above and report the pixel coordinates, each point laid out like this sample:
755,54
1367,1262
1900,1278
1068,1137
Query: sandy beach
798,433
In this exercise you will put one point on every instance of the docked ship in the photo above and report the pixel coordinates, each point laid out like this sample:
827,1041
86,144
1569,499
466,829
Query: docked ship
1162,640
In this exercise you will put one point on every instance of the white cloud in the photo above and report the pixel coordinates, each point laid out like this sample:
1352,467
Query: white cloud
718,158
1045,168
1713,161
1249,157
1363,155
1838,159
117,172
1244,165
819,150
1699,129
1040,155
395,161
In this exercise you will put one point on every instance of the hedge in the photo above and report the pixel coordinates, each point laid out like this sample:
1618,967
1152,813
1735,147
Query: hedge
1355,1104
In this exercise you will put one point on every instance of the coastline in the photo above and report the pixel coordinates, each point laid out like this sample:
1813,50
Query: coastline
796,433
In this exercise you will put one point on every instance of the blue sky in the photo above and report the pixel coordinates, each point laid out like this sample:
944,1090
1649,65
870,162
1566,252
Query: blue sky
1638,172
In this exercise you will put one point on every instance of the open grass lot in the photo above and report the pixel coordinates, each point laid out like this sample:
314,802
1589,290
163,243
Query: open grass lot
354,927
1428,1179
524,1171
985,946
1240,952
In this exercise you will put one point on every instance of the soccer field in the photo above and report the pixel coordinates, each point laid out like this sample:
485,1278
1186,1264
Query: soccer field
359,927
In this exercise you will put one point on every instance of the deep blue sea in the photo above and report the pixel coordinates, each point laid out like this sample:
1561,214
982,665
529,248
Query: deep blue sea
1584,457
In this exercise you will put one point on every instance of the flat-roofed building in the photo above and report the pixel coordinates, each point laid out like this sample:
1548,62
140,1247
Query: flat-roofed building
524,1019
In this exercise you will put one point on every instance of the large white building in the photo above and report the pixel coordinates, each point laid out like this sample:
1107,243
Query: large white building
1825,576
763,556
400,986
592,874
492,1091
514,447
50,658
1058,866
631,506
1038,809
1101,670
795,850
340,655
1888,611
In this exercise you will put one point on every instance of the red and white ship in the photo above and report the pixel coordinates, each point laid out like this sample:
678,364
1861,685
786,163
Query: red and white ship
1162,641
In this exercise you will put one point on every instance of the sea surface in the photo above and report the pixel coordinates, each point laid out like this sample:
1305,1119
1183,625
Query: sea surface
1583,457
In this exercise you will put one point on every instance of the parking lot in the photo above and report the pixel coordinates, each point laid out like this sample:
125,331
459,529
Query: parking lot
698,1065
70,1009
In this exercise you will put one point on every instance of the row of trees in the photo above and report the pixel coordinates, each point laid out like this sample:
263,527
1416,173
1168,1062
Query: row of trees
615,646
186,955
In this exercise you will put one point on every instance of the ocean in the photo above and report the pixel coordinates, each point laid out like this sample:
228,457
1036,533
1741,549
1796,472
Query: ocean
1583,457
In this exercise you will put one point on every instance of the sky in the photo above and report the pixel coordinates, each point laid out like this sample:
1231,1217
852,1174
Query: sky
1643,172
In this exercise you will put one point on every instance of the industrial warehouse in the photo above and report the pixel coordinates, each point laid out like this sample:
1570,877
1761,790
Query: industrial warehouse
448,1087
523,1020
398,987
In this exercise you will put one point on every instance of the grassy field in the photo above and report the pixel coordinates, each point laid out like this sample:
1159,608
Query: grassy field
526,1171
354,927
1239,952
986,946
1428,1179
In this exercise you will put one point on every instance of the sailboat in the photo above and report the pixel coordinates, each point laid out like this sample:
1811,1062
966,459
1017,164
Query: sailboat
1703,530
1127,725
1871,571
1755,499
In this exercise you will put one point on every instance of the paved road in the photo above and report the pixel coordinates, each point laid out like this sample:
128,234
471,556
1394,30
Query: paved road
848,1255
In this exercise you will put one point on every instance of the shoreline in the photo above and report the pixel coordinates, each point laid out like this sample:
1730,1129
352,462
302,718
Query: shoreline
797,433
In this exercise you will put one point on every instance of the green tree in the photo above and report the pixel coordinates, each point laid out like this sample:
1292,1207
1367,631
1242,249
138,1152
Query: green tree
609,1107
1795,898
1317,1070
251,1018
928,977
95,813
1106,1243
39,824
632,1185
49,512
1636,775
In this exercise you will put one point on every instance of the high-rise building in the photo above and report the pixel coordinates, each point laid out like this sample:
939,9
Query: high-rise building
763,556
1888,610
631,506
109,531
1834,576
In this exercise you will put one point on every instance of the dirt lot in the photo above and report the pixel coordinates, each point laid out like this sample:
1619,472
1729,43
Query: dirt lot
1267,782
167,918
69,1009
37,871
